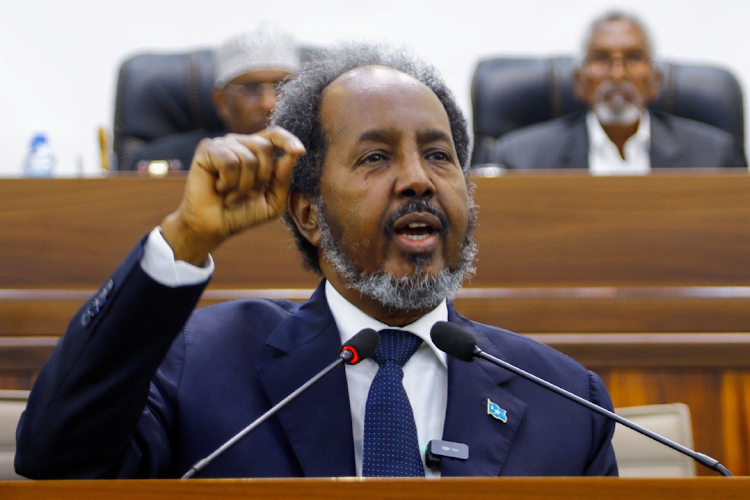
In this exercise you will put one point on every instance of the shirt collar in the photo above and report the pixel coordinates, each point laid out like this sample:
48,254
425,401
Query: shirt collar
599,138
350,320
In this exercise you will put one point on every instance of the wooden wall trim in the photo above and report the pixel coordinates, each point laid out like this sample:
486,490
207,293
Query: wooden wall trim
653,350
523,310
642,350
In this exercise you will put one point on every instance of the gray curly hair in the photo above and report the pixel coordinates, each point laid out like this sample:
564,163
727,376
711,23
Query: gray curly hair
298,111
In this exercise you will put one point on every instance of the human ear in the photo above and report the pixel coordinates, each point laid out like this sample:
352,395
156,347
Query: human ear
220,104
305,216
578,84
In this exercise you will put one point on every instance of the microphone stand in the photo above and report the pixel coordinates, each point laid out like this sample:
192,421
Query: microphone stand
705,460
201,464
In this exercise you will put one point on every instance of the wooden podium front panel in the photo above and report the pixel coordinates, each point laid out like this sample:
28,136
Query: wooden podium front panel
535,230
71,233
560,253
671,228
715,488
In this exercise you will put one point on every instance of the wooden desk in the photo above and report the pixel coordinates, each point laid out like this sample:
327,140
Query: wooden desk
559,253
715,488
536,230
570,258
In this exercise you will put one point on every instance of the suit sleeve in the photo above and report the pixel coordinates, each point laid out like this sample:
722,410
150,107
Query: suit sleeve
87,415
722,144
602,460
559,143
504,154
737,156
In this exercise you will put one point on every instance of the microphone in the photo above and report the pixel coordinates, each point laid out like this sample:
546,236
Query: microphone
460,344
359,347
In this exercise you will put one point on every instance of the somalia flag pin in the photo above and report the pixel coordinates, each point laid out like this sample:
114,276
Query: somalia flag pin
497,412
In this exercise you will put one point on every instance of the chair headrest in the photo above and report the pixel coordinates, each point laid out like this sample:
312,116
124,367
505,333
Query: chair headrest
163,94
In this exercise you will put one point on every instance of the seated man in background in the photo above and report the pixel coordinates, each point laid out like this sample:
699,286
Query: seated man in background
249,68
369,164
618,134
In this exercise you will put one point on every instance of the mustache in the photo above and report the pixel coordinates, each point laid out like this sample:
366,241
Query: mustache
413,206
627,88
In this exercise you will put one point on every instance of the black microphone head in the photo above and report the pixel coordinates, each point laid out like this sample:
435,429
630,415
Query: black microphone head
360,347
453,340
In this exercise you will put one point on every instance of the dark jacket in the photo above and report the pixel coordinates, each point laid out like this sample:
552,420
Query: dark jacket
132,391
564,143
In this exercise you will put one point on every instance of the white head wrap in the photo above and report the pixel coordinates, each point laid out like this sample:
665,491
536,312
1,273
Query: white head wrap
267,48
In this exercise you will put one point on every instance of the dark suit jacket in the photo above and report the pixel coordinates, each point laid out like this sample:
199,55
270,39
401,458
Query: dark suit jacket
100,408
564,143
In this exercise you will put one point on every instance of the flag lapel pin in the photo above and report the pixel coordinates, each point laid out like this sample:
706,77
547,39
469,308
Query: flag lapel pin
494,410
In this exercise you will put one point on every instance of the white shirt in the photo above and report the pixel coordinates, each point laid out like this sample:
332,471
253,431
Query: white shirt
425,374
158,262
604,157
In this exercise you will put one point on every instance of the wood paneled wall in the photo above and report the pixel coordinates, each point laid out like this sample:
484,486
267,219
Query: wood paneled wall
645,280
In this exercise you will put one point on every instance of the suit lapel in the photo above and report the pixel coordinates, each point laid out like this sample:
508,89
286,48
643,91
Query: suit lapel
317,423
577,149
467,421
665,150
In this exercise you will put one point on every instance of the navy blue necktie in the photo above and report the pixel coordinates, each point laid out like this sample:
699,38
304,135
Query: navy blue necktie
391,447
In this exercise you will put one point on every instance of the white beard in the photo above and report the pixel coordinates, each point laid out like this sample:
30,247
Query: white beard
618,104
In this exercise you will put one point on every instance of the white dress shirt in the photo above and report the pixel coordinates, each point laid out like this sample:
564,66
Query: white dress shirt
158,262
425,374
604,157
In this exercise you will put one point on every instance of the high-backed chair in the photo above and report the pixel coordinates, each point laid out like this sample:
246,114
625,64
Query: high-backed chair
12,404
508,93
165,94
160,95
640,456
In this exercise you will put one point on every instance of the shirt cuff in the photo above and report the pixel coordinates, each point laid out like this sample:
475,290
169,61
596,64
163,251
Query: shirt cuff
158,262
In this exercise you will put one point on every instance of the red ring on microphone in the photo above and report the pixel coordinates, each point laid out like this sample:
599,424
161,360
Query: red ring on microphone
355,357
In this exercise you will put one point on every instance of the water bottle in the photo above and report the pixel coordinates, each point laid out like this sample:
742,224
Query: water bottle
40,161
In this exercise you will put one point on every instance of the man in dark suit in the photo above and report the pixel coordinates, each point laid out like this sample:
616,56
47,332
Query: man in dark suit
618,135
143,386
249,68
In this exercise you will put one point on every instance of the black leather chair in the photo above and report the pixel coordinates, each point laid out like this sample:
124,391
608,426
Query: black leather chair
160,95
509,93
166,94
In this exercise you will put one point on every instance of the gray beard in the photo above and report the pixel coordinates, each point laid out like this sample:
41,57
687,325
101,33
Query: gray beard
417,291
618,103
627,115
